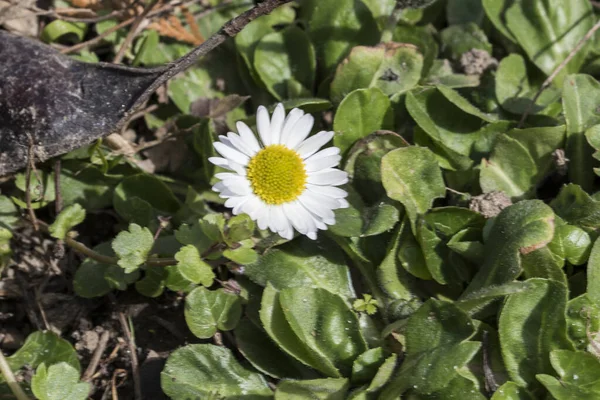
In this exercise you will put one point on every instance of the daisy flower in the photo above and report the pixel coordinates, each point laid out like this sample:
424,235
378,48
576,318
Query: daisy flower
282,181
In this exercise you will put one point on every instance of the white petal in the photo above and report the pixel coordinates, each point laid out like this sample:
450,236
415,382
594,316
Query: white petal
247,136
226,175
329,151
343,203
312,235
277,123
262,219
300,130
287,234
237,168
322,163
239,186
320,205
328,176
239,144
291,211
288,125
330,191
219,162
231,154
263,124
311,145
252,205
233,202
308,220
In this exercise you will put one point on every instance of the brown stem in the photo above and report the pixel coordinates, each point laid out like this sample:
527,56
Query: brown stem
91,369
133,31
557,70
137,387
101,258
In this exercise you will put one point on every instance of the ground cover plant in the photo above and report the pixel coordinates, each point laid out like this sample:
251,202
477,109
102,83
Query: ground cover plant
349,199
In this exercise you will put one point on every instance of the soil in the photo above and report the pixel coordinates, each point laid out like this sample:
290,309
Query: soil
36,293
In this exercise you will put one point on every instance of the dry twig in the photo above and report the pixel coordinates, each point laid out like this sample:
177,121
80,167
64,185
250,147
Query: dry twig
134,31
91,369
135,368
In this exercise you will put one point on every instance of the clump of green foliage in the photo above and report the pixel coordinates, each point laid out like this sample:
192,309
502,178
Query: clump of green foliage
414,292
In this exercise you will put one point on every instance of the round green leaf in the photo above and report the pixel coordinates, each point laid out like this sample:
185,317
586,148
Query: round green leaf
207,311
198,371
286,63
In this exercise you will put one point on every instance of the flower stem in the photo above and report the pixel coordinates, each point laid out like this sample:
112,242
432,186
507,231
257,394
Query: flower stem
11,380
101,258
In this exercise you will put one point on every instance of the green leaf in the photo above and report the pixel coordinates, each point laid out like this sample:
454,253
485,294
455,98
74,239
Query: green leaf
541,142
243,255
583,316
510,169
303,263
153,282
361,113
325,323
581,95
192,268
549,29
207,311
572,243
8,213
577,207
436,347
518,229
59,30
280,331
441,73
513,90
462,12
495,11
59,382
137,198
593,274
193,235
286,63
475,301
240,227
434,230
44,347
94,279
66,220
328,18
391,275
411,176
422,37
525,349
454,125
247,40
202,370
86,185
511,391
132,247
262,352
458,39
365,367
579,375
391,67
317,389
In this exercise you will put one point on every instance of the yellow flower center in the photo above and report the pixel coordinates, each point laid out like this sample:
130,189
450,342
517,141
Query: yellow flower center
276,174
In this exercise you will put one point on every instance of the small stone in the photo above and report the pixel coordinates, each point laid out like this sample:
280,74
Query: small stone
490,204
89,341
476,62
560,161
